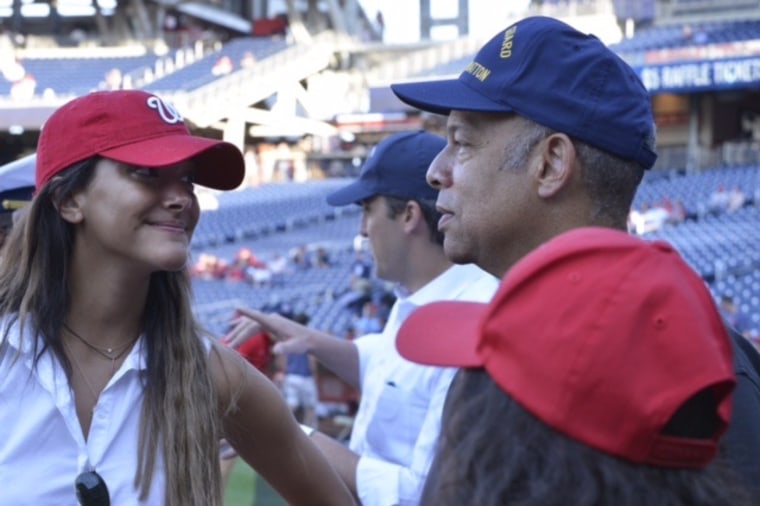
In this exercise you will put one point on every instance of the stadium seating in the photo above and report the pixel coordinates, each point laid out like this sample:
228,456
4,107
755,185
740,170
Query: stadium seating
723,248
680,35
275,219
257,212
202,71
77,76
694,190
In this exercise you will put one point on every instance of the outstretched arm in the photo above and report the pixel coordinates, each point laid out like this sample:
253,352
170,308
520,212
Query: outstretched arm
263,431
338,355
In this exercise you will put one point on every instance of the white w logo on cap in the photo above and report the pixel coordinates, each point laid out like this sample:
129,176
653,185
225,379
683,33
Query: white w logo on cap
167,111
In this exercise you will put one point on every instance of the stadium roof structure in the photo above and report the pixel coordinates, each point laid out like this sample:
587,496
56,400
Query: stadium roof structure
215,15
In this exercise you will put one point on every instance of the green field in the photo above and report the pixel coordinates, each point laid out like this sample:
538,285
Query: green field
245,489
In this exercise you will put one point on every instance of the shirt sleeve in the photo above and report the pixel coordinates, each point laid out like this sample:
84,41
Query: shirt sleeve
383,483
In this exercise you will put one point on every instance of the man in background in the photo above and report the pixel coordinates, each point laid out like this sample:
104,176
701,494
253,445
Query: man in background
399,414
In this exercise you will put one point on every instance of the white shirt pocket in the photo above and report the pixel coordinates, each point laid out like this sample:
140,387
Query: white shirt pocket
396,423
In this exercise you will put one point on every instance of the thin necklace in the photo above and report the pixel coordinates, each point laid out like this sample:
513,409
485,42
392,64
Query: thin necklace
95,395
112,354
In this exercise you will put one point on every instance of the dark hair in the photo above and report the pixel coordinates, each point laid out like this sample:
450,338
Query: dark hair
611,182
493,452
34,268
180,411
396,206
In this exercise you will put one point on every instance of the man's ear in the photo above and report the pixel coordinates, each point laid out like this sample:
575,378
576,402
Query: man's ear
69,207
411,215
557,165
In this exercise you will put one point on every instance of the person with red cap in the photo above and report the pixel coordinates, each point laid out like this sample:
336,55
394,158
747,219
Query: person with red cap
110,393
600,373
549,130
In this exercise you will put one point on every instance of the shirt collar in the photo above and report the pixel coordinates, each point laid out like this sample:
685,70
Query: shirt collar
447,285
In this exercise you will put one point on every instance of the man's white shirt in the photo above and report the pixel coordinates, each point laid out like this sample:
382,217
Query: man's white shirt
398,420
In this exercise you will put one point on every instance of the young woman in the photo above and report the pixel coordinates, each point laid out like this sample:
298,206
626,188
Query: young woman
106,380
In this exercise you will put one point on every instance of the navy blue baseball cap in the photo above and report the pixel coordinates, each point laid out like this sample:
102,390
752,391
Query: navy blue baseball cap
396,167
547,71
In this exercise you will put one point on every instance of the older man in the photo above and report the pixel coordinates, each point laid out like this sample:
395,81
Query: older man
548,130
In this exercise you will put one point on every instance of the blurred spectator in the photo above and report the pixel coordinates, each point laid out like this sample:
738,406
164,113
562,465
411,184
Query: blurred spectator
300,258
361,267
259,275
244,267
678,213
360,283
248,60
734,316
369,322
113,79
321,258
736,199
297,378
209,267
223,66
649,219
278,267
11,69
718,201
23,89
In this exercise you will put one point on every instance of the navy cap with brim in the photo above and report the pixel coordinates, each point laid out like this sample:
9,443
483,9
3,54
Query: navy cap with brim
441,97
547,71
395,167
354,193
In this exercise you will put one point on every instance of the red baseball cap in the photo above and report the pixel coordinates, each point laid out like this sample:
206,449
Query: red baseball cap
133,127
599,334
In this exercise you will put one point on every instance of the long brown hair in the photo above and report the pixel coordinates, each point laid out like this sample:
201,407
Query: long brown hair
492,451
179,412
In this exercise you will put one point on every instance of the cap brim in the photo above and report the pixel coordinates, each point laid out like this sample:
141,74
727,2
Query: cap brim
11,200
220,165
353,193
441,97
444,333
